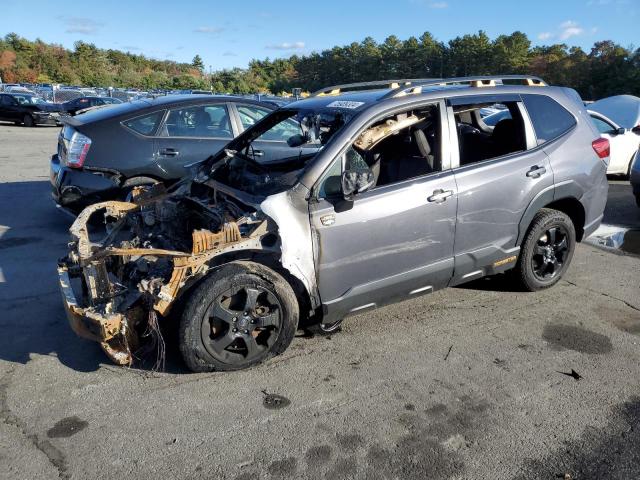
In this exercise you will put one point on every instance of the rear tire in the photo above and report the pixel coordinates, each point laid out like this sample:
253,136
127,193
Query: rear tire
546,251
638,200
241,315
28,121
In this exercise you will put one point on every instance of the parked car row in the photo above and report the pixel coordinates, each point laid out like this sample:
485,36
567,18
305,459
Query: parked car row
30,110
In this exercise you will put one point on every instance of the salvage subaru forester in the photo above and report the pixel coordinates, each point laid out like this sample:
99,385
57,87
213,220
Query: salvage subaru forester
379,192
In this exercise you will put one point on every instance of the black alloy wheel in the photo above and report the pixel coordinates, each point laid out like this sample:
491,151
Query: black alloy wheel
547,250
240,315
241,324
550,252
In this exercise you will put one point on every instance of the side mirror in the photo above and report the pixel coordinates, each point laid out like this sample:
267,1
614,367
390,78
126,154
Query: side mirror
297,140
620,131
356,181
636,130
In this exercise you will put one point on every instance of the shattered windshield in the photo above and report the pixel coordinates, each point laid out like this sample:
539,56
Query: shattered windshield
271,156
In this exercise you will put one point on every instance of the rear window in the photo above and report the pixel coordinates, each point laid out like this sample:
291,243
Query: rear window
145,125
550,119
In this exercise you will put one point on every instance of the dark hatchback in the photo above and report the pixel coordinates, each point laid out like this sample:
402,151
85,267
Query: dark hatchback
28,110
73,106
104,153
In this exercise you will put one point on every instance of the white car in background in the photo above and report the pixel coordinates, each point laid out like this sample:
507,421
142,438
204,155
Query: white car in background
618,120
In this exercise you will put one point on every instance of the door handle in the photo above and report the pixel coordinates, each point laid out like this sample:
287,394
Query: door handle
258,153
440,195
169,152
536,172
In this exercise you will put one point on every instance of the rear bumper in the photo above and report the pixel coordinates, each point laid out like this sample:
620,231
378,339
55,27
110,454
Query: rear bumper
592,227
73,189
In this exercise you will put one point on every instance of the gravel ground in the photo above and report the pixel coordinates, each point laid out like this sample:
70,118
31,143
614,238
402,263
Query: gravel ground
466,383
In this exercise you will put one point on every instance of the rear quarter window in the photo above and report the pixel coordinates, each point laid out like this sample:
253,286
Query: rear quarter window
550,119
146,124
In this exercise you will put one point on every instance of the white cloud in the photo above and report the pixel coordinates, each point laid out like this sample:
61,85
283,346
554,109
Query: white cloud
83,25
545,36
229,54
208,30
286,46
438,5
569,29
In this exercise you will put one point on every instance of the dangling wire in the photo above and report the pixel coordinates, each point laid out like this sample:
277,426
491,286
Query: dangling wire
157,341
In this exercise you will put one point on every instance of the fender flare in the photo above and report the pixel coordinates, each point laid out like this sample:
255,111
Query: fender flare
553,193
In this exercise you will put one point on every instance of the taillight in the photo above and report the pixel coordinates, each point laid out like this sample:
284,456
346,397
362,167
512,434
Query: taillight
601,147
77,151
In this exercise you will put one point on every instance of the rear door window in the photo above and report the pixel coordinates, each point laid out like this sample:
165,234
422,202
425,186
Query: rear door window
250,115
199,121
550,119
146,124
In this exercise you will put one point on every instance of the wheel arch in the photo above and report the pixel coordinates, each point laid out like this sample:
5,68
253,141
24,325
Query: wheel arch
269,259
571,207
564,198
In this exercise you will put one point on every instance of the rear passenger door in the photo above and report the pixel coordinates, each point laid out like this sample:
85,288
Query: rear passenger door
190,134
498,173
272,145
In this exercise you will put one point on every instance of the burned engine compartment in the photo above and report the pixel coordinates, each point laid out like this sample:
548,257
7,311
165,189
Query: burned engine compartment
130,261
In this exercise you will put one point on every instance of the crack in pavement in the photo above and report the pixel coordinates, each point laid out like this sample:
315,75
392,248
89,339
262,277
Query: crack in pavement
53,454
630,305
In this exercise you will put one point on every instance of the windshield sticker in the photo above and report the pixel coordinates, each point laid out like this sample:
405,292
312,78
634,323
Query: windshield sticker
345,104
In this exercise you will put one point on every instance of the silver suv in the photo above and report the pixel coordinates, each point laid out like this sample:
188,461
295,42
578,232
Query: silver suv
361,195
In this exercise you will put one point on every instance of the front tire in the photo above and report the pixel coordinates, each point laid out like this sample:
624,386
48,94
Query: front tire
241,315
28,121
547,250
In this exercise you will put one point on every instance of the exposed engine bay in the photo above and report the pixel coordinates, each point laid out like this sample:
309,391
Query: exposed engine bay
132,260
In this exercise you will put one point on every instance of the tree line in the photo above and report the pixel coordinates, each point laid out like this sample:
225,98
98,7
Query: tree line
607,69
26,61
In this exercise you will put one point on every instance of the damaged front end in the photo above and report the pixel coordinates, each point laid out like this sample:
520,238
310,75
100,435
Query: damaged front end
130,261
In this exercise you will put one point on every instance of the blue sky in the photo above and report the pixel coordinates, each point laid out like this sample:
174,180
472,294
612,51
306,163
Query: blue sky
230,33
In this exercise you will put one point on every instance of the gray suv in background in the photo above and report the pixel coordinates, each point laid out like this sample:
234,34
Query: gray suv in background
386,191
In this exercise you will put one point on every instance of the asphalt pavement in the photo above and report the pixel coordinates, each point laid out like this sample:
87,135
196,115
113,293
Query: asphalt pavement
476,382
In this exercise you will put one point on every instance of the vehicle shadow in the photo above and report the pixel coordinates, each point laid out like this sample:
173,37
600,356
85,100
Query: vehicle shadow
504,282
33,236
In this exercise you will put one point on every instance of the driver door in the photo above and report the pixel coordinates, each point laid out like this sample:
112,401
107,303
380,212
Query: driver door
391,242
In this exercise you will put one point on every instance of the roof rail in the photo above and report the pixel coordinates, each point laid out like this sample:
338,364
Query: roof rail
393,84
407,86
477,82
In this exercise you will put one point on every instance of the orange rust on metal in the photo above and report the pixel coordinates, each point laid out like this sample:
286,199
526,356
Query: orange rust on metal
115,251
118,353
204,240
181,266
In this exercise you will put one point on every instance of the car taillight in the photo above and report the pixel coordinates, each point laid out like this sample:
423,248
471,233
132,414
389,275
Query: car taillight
77,151
601,147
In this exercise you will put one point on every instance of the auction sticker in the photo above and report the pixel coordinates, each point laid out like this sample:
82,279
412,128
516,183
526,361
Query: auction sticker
345,104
